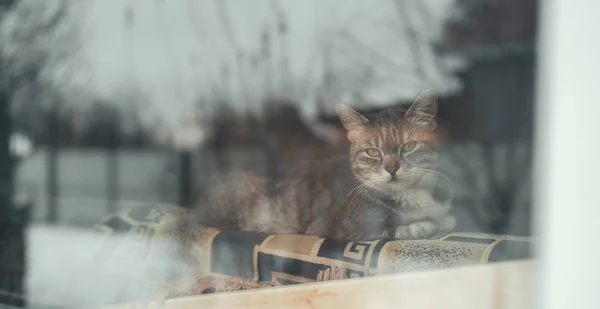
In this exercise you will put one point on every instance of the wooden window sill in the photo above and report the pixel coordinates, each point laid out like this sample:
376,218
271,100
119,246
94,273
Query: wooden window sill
497,285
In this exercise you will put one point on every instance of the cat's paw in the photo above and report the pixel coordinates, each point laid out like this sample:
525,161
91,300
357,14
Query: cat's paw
402,219
416,230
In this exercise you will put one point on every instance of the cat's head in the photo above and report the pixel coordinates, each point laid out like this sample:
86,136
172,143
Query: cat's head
392,150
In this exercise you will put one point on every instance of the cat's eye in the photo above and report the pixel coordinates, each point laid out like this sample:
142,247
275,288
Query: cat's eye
408,147
373,152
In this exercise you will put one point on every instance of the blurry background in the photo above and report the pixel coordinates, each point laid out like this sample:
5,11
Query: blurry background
110,103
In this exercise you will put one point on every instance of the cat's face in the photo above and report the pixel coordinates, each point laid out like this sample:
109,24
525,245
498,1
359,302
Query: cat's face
392,150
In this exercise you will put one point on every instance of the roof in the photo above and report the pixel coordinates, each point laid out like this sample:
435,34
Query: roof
493,23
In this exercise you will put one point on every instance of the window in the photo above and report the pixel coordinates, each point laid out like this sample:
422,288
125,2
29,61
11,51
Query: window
350,152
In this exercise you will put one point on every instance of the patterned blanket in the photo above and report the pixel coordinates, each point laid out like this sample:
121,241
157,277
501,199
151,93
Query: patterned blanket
233,260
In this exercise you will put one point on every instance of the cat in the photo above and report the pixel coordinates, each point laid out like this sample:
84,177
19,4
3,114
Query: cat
385,188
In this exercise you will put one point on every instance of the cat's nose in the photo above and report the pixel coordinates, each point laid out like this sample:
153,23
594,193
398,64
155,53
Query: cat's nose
392,169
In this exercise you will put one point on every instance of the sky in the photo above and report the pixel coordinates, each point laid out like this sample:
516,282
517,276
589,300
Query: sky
174,51
171,55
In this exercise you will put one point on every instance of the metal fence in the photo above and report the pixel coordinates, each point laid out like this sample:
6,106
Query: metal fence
72,182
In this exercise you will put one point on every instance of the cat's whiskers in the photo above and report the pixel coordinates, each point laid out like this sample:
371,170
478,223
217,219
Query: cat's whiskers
377,180
364,186
368,185
437,178
437,166
356,190
359,192
436,175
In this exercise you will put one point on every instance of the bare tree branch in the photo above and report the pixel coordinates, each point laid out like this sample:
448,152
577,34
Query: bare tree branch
372,54
230,35
411,33
349,49
435,58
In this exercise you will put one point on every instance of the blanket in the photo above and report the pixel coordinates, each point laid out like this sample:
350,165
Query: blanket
232,260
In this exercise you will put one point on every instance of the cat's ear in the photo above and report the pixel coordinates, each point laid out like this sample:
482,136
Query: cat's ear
350,118
423,110
426,105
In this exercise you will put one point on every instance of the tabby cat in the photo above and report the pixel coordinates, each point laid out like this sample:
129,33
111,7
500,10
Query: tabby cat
388,187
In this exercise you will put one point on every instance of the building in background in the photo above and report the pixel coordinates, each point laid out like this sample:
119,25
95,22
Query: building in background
496,39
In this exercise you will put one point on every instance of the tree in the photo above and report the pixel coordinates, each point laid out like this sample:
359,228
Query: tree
403,62
27,66
6,173
11,233
39,51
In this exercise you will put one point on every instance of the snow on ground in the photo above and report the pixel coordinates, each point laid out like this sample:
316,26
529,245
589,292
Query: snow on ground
64,271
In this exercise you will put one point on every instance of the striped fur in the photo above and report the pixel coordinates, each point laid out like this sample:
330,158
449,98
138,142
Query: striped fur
387,187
